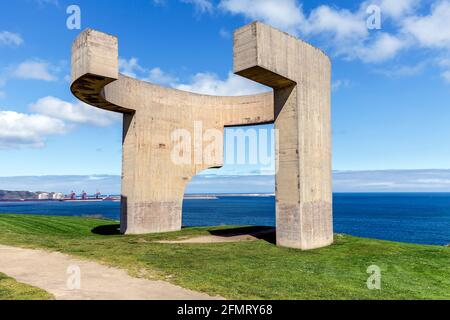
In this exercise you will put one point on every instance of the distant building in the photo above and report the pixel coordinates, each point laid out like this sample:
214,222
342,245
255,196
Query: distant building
58,196
43,196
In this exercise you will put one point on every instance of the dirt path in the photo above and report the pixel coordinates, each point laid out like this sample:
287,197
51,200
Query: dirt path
52,271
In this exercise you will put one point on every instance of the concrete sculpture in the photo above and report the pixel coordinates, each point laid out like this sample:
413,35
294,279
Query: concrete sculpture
299,106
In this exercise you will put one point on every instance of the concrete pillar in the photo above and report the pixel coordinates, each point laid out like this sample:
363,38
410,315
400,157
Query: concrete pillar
300,77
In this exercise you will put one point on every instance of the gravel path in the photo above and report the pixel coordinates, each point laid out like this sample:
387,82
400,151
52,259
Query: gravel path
56,273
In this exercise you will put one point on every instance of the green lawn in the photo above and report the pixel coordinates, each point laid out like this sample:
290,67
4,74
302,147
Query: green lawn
245,270
10,289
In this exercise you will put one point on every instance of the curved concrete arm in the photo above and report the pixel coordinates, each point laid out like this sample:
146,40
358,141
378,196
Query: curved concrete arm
95,64
96,81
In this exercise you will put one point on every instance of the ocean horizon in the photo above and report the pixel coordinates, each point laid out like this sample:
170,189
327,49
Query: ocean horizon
421,218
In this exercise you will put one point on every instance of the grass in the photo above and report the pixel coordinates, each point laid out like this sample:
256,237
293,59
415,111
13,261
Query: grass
10,289
245,270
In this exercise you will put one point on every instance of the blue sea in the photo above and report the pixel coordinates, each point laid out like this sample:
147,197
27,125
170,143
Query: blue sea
422,218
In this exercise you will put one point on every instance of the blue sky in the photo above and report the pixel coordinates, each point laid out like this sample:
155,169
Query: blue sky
391,87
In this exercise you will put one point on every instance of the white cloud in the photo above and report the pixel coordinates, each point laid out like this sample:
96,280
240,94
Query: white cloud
342,31
27,130
398,8
345,32
10,39
394,8
202,82
51,116
108,184
340,24
159,2
224,33
403,71
44,2
434,181
2,83
156,75
209,83
407,25
288,16
433,30
78,112
391,181
444,62
201,5
446,76
133,69
34,70
338,84
130,67
383,48
284,14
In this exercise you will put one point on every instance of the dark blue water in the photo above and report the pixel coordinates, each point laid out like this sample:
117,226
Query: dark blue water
408,217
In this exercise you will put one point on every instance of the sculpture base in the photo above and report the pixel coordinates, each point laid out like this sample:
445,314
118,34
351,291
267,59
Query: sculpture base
150,217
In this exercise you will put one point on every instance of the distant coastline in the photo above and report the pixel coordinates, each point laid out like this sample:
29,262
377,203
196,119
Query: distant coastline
7,195
29,196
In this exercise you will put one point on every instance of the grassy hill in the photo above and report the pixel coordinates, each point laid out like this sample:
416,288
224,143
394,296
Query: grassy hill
244,270
10,289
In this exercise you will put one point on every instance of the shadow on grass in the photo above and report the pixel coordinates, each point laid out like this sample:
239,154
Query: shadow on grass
107,230
263,233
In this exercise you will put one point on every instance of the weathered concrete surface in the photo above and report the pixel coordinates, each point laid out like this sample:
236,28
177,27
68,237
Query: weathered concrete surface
153,185
48,271
300,76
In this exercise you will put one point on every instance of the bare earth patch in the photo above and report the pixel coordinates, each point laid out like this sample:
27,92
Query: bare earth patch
234,235
49,271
